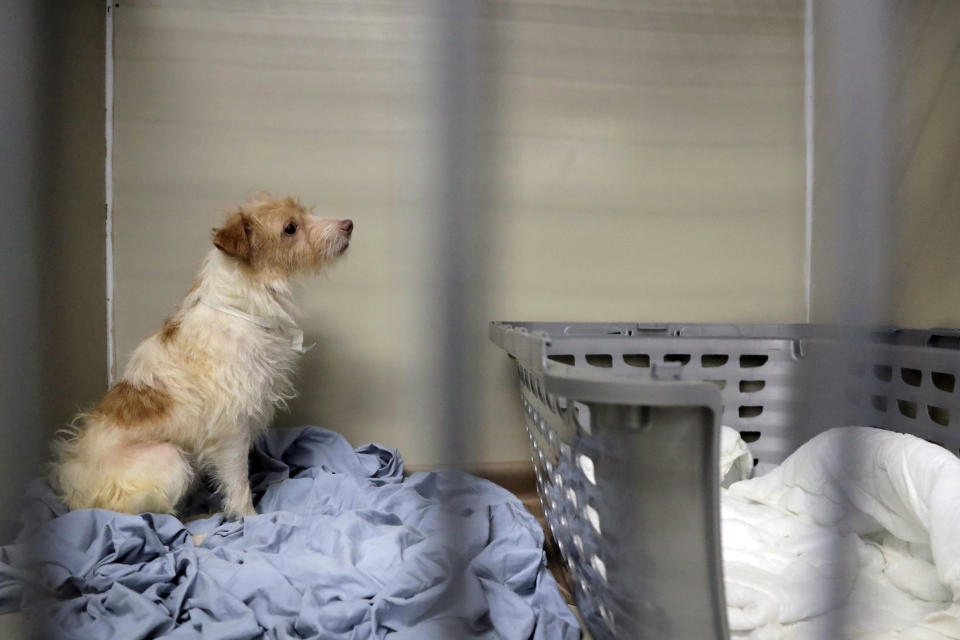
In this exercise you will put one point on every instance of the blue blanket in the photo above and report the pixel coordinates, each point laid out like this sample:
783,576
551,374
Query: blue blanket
344,547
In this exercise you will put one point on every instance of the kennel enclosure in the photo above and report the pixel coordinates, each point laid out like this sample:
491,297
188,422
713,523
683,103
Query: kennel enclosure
624,418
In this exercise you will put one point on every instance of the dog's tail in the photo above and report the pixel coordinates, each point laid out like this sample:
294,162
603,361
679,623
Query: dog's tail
62,446
100,469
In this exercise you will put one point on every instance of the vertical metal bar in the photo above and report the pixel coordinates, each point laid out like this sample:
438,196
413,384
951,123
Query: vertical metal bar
809,147
854,204
456,264
108,192
23,166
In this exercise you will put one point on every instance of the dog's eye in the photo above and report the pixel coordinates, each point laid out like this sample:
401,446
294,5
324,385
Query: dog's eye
290,229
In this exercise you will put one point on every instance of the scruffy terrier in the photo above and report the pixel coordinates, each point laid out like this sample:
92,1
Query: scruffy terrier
198,392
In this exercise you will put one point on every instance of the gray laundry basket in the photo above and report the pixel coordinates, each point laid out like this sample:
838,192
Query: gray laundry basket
624,419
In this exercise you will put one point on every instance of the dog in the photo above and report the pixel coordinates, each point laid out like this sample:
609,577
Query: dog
196,394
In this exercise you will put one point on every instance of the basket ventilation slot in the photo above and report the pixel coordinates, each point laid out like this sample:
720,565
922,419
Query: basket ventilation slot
907,408
752,361
882,372
939,415
943,381
912,377
637,359
604,360
748,411
711,360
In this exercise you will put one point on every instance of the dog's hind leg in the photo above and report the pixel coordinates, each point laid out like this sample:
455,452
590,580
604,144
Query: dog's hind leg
153,478
130,478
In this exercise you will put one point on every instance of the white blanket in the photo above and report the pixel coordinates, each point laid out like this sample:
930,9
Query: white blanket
868,543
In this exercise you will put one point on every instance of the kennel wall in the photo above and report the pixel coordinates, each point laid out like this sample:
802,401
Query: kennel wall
623,421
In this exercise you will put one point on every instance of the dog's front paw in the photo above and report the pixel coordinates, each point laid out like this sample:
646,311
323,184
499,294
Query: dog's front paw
238,513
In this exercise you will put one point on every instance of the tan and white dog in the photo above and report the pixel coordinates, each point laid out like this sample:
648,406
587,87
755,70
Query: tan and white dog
198,392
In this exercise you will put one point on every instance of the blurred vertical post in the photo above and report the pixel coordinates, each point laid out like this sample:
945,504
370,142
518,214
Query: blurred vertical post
454,258
854,198
855,140
455,248
22,402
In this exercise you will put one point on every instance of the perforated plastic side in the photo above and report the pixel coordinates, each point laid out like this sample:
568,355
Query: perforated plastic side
778,384
580,451
781,384
757,378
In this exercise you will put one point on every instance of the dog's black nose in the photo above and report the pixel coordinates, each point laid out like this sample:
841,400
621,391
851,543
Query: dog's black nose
347,225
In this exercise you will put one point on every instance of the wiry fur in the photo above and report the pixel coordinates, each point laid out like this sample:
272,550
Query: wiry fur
196,393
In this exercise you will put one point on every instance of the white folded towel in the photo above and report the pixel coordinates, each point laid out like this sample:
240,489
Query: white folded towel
736,461
858,518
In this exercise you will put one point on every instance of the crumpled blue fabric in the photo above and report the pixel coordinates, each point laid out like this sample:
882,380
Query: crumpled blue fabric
344,547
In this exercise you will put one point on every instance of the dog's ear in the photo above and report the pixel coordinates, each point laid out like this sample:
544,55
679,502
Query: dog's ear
234,237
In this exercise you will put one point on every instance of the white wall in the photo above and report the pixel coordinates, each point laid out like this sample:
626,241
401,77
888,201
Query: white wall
927,269
647,164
